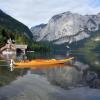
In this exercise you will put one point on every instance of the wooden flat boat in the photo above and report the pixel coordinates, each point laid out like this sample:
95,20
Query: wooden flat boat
39,62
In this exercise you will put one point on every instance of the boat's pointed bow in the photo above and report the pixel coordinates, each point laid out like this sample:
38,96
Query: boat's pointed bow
70,59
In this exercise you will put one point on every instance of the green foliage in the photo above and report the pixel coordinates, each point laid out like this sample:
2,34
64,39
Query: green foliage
22,39
12,25
5,35
38,47
11,28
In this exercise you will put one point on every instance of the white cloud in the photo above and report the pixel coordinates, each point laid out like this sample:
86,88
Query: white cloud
33,12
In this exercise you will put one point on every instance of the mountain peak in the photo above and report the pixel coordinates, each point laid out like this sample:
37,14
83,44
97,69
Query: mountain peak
67,27
58,16
1,11
41,25
68,12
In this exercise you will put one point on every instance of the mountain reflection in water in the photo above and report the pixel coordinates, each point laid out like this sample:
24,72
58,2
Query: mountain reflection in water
62,75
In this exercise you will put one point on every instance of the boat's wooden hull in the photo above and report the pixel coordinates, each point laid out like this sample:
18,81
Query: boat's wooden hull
43,62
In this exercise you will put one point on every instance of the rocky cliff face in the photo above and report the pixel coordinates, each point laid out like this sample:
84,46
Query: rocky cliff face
37,31
67,27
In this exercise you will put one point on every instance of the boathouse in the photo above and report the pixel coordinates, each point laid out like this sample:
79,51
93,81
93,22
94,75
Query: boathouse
10,46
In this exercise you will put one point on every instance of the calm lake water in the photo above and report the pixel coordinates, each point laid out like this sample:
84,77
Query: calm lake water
66,76
28,81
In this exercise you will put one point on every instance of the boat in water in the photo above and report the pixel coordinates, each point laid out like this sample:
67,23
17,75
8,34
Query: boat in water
42,62
39,63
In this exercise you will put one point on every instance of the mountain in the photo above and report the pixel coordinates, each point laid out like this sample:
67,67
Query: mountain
11,28
12,25
67,27
37,30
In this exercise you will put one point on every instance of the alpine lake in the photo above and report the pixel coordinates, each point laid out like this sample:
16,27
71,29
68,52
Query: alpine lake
77,75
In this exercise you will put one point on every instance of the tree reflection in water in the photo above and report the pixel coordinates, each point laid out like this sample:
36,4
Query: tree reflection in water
7,76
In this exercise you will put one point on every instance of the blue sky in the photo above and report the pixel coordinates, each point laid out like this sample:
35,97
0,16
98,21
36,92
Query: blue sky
97,2
34,12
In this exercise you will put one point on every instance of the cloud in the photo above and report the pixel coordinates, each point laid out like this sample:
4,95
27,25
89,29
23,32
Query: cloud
33,12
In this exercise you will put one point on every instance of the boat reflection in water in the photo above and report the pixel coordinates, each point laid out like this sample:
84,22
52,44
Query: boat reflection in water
66,76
